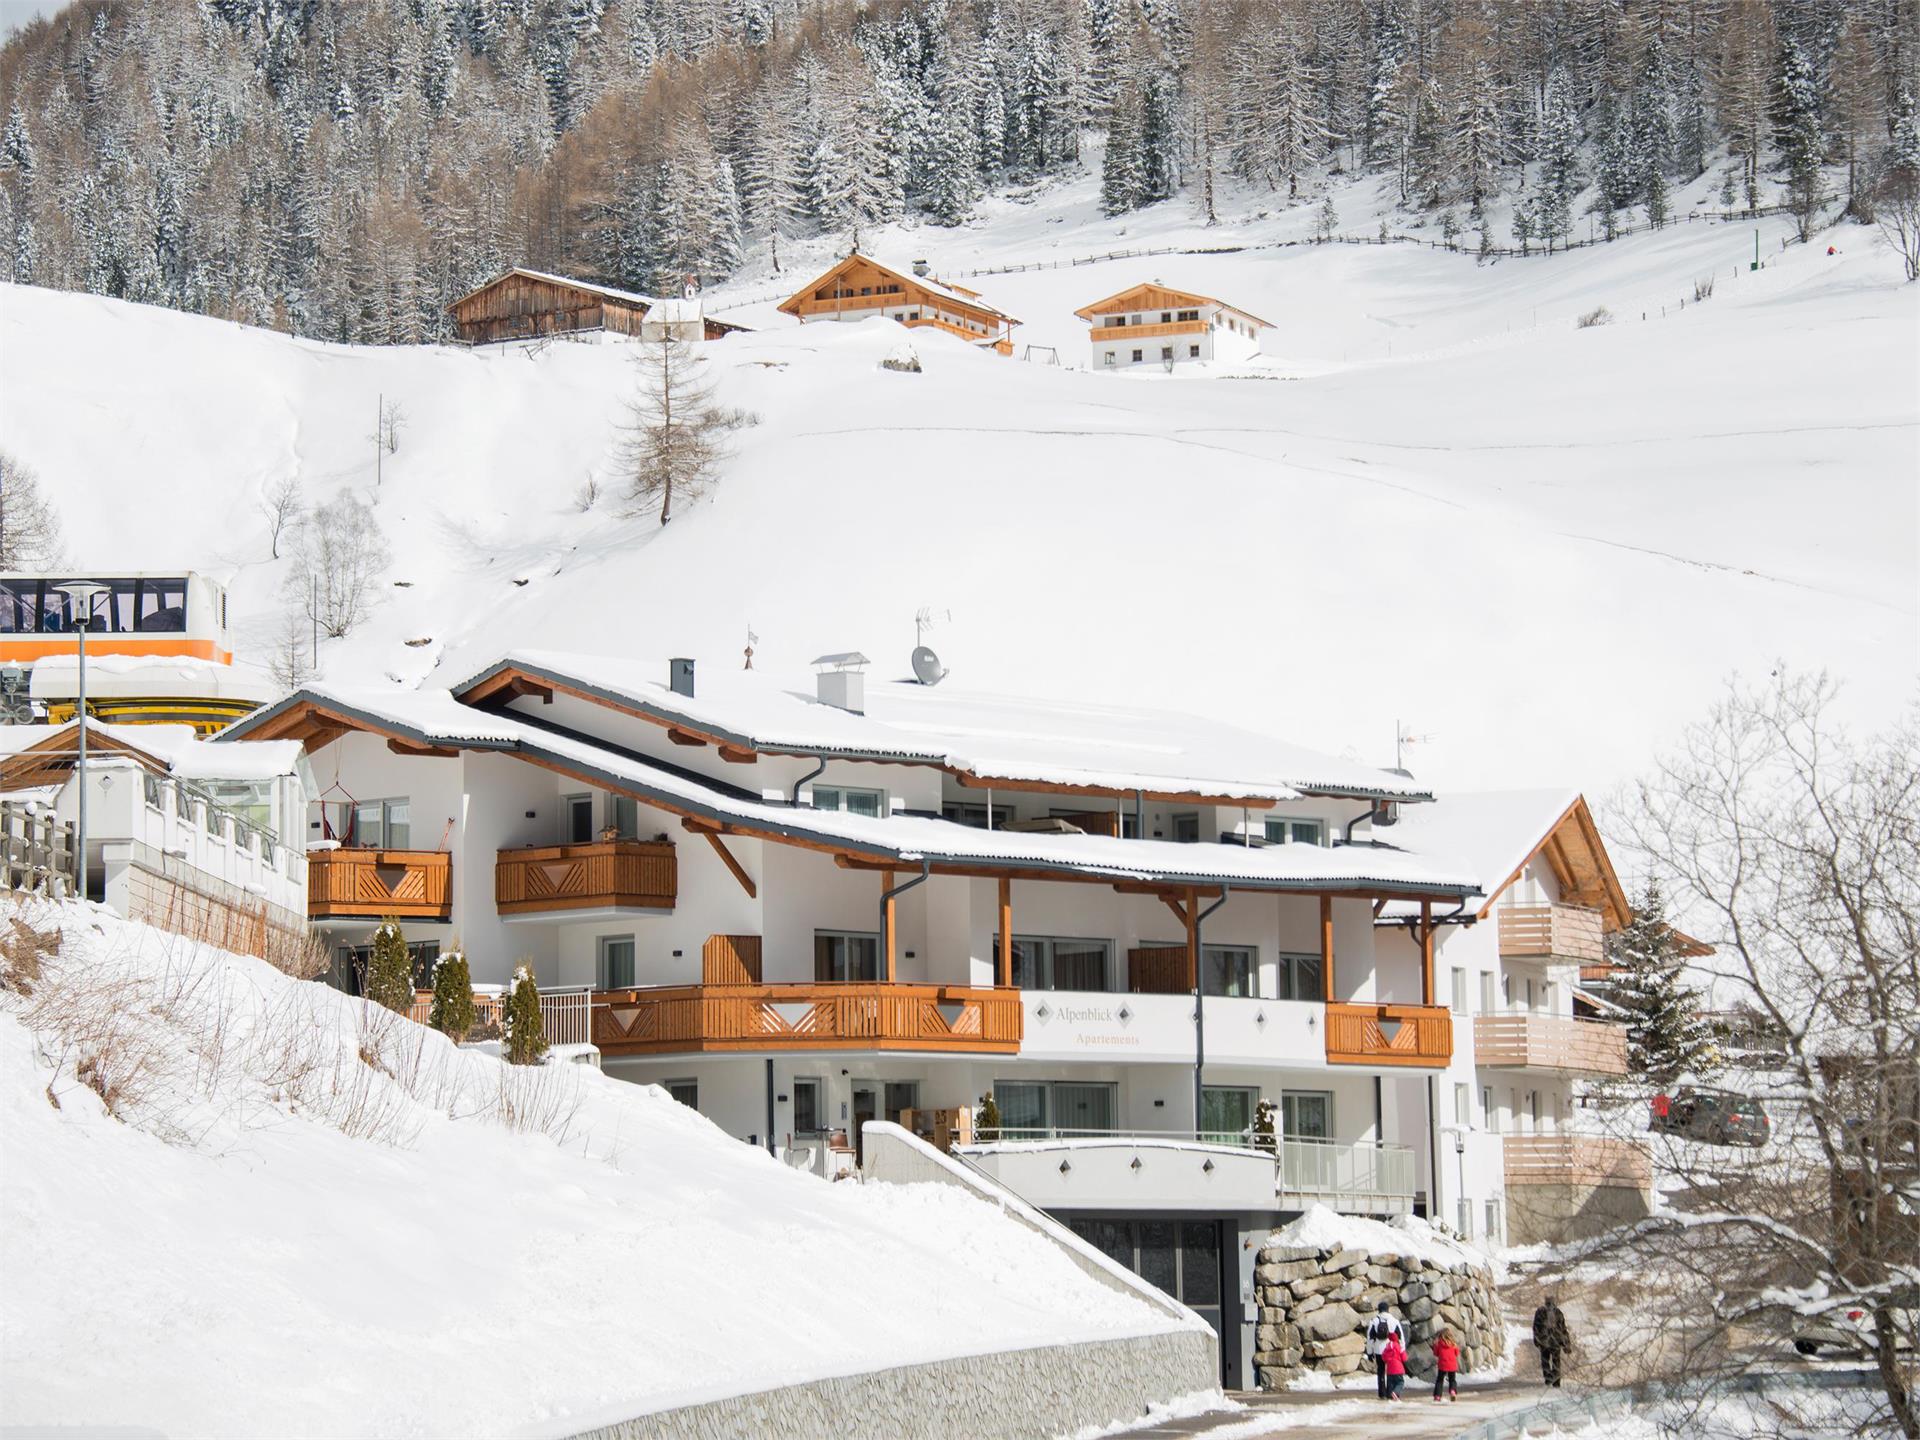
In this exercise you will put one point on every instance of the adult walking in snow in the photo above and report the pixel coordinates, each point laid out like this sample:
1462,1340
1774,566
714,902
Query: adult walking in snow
1552,1339
1382,1328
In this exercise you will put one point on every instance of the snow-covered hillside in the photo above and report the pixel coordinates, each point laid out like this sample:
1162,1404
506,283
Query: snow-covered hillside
1437,501
303,1215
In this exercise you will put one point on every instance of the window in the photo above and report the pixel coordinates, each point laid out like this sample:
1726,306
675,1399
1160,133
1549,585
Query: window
1228,970
1051,962
1493,1222
1462,1105
1506,991
1136,357
1166,352
1286,830
1108,359
1487,1118
1530,994
842,958
1023,1109
1189,315
1083,1107
1114,321
1166,317
900,1095
1459,991
1533,1110
1486,992
1300,978
1193,352
962,813
150,788
353,960
1226,1114
380,825
1186,828
807,1109
182,801
853,802
687,1092
579,819
1307,1115
616,963
623,813
1464,1214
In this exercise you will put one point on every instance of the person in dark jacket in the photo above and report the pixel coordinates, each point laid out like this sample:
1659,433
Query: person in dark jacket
1383,1327
1552,1339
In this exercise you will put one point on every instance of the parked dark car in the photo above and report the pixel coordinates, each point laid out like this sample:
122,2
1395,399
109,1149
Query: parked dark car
1719,1117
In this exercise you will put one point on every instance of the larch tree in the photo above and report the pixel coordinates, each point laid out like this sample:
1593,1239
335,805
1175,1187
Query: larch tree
338,552
674,440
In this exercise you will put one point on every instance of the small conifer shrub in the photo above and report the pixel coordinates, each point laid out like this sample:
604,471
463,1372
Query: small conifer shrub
522,1032
453,1009
390,971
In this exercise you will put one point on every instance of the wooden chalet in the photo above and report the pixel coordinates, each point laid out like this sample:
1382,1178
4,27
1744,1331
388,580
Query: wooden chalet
526,304
859,288
1156,324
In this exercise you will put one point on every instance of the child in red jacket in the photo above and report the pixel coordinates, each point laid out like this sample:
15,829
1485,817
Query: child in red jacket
1394,1358
1446,1354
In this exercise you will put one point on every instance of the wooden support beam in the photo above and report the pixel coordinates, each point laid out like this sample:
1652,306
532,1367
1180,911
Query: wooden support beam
1179,910
695,825
684,737
1141,887
1426,952
726,858
1005,966
736,755
407,747
1193,941
1326,947
886,885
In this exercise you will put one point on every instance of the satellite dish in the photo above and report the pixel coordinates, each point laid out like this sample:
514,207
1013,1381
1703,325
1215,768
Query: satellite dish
927,668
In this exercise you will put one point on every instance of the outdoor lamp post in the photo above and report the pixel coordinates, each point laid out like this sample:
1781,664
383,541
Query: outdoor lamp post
81,595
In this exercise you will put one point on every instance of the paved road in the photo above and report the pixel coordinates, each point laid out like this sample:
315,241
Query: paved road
1352,1414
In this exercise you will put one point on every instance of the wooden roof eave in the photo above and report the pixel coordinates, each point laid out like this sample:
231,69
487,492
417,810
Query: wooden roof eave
50,761
791,305
1575,821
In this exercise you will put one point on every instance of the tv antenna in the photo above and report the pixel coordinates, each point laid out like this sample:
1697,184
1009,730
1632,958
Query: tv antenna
924,619
1403,737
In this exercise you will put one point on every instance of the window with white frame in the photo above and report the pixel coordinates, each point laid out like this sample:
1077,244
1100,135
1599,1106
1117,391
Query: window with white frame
1307,1114
615,969
1299,977
1462,1104
1487,1118
849,799
382,824
1032,1109
1486,992
963,812
1290,830
1459,991
1227,1113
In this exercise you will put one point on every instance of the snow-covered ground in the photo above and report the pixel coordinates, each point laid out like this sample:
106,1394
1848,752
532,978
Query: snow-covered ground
302,1216
1441,503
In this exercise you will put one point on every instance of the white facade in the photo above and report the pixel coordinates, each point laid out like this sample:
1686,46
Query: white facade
1212,330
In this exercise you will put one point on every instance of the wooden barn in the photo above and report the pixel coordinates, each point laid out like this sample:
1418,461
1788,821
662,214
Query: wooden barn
523,304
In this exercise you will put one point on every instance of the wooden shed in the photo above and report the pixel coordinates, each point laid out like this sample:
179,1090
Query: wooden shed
523,304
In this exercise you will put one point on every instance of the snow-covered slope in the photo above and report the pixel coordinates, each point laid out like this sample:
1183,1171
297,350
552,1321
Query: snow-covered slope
312,1218
1436,501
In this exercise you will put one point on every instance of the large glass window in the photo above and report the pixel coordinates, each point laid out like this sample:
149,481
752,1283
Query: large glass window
624,815
251,800
1459,991
1079,1107
381,825
616,962
1186,828
841,957
1023,1108
1300,978
1051,962
1286,830
854,802
579,819
1307,1115
1226,1114
687,1092
807,1107
1032,1109
1229,970
963,813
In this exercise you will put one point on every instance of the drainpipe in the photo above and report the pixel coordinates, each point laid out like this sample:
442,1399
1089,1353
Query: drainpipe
1366,814
1199,1003
1139,814
1433,1154
770,1149
819,766
926,869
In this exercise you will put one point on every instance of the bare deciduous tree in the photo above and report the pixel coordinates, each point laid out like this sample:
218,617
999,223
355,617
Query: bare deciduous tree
29,530
338,550
281,504
1795,850
1897,212
675,437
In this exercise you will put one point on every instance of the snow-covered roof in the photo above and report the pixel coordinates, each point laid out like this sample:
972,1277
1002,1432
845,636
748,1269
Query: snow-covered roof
176,749
115,676
676,312
899,840
1087,312
630,297
1012,740
958,295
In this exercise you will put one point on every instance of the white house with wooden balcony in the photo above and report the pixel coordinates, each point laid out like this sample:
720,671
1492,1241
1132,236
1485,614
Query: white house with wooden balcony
1515,1155
1155,325
861,288
801,906
197,838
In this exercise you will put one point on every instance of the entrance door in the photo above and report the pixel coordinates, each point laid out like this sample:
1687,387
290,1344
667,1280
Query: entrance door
866,1106
1183,1257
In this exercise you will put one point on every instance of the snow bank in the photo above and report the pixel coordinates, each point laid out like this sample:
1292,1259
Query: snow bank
1408,1235
311,1217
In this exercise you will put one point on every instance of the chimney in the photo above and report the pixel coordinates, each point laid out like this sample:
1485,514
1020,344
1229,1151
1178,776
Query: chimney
842,681
920,268
680,677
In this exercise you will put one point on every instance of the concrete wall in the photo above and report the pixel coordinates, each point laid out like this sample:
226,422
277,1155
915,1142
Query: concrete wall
1557,1214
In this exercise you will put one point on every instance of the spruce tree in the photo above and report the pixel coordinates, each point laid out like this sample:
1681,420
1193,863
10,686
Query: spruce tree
1802,143
390,971
523,1034
1667,1035
453,1010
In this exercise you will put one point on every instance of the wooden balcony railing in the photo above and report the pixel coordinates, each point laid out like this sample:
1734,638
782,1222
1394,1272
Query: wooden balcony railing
377,884
684,1018
1158,970
603,875
1553,932
1575,1160
1414,1035
1147,332
1550,1042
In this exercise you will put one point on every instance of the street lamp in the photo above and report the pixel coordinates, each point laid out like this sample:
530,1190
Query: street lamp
81,595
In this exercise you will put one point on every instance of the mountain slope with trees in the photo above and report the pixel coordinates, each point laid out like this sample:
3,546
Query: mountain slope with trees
344,170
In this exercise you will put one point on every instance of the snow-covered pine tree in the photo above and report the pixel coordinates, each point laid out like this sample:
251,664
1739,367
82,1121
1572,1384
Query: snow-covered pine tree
389,980
1121,177
452,1013
1801,139
523,1033
1557,147
1667,1035
1329,221
774,198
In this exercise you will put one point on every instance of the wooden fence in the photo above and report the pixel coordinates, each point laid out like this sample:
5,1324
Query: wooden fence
1575,1160
1550,1042
36,851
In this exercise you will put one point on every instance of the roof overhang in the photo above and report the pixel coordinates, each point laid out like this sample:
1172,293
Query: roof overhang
1574,851
51,761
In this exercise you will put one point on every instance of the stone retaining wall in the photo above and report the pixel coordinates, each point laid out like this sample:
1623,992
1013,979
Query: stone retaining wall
1315,1304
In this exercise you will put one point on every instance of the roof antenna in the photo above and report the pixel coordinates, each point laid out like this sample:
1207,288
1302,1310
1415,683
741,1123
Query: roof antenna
927,668
751,638
1403,737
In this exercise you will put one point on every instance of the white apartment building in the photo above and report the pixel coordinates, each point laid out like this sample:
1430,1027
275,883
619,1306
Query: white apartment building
800,907
1156,326
194,837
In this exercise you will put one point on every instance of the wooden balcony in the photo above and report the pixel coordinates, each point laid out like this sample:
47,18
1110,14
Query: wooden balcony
1147,332
1576,1160
1550,1042
1552,932
683,1019
603,875
379,884
1417,1036
1158,970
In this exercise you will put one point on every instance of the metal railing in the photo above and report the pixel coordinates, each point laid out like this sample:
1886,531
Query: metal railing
1305,1166
565,1011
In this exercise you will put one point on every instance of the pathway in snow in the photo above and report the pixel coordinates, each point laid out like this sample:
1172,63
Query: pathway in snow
1352,1413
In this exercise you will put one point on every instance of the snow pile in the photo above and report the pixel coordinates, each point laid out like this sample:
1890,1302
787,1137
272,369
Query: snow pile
235,1204
1409,1235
